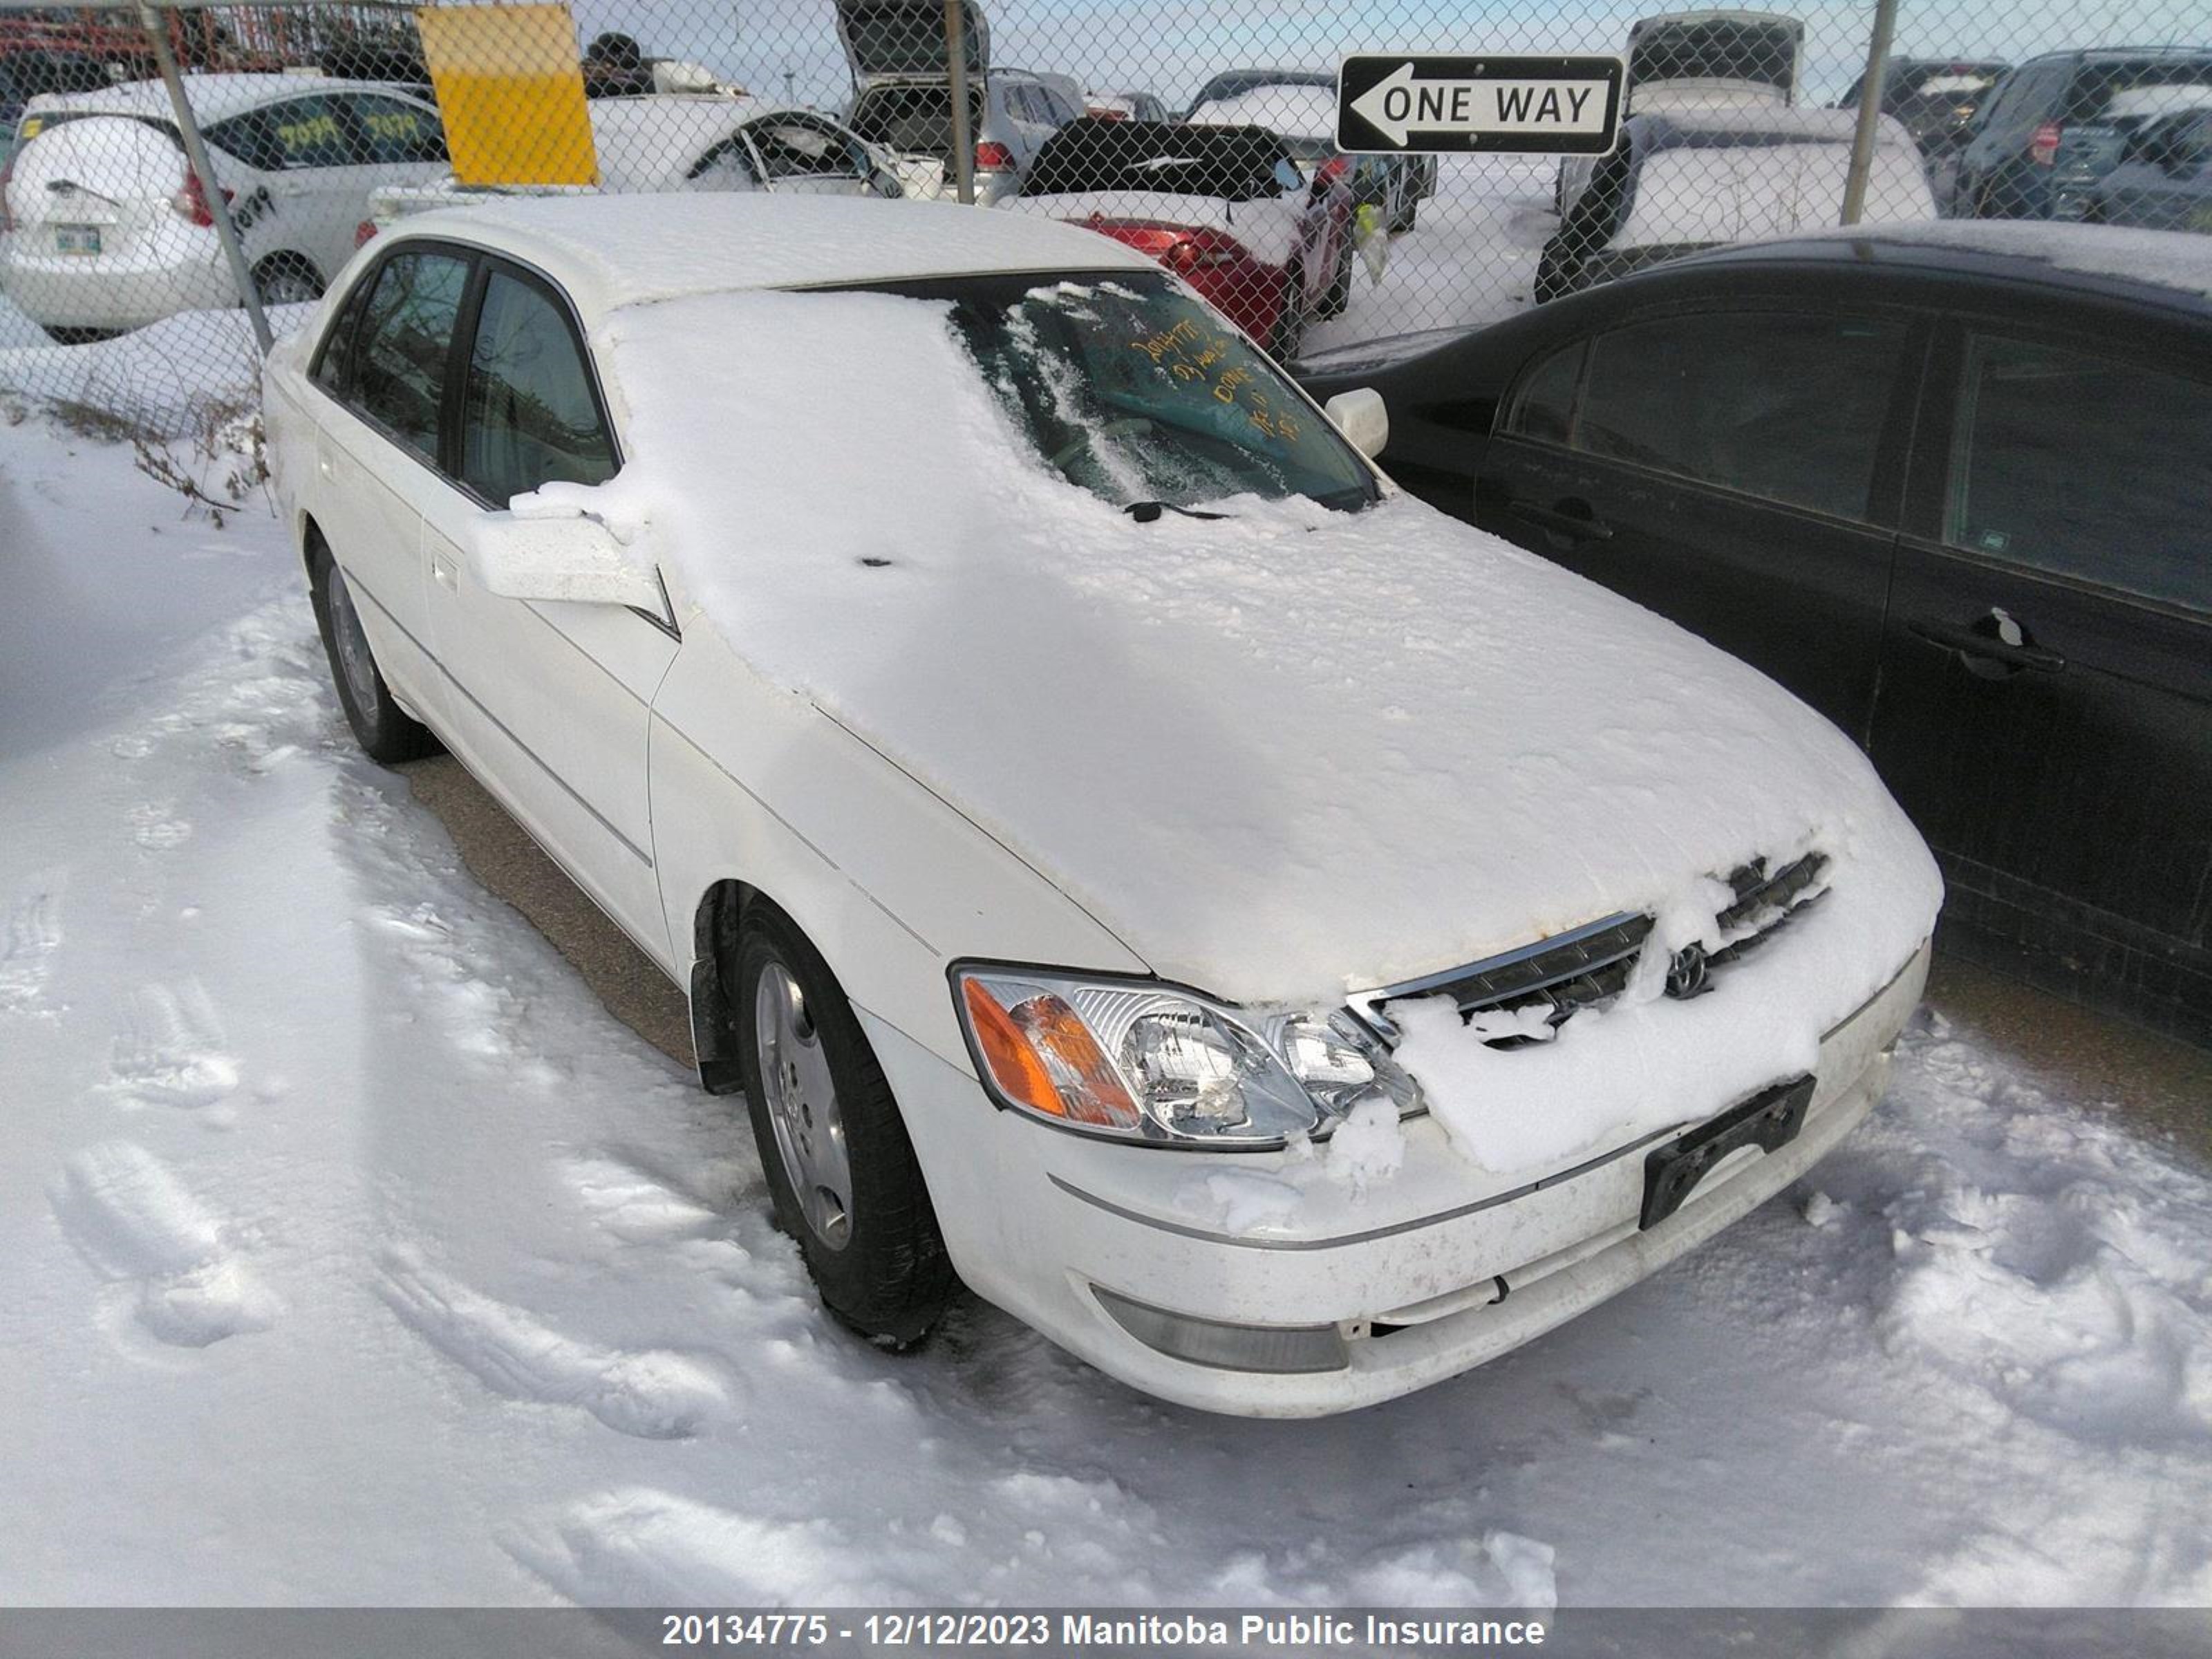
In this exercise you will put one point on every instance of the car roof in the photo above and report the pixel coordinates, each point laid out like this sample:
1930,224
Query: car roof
1664,129
2171,270
609,251
2120,54
211,97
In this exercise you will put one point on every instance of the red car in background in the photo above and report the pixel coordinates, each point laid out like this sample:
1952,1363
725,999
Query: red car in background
1227,209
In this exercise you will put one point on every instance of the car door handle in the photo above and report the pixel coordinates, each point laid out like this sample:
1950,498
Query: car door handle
1967,643
1581,527
444,573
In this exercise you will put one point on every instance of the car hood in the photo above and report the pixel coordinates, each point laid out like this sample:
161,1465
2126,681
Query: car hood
1280,755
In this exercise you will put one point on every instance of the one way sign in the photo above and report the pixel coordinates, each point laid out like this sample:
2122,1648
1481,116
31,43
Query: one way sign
1390,104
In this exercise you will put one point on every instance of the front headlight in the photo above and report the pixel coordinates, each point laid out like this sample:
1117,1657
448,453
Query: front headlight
1134,1059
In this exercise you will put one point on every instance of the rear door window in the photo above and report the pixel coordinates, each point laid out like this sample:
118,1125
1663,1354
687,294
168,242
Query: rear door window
392,131
2083,465
307,133
405,338
792,147
1788,408
530,414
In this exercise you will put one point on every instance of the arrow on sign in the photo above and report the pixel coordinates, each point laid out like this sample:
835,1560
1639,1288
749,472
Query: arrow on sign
1402,103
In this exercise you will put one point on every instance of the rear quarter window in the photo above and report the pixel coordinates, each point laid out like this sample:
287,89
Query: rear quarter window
2086,466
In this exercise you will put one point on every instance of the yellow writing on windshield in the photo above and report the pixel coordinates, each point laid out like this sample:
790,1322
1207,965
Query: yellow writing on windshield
1196,356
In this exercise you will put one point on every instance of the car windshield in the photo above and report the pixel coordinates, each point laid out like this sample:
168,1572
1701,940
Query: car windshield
1136,392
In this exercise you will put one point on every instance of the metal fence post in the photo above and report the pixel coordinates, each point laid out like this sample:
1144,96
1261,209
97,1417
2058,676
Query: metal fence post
195,156
1869,122
955,65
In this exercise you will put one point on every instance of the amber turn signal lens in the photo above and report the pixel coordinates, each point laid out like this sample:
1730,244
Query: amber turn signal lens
1042,1055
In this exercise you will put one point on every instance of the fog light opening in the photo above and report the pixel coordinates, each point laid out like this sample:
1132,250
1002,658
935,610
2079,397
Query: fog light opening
1283,1350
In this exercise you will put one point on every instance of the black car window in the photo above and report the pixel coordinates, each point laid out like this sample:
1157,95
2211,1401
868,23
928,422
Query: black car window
394,130
400,350
334,368
1544,408
2085,465
529,416
307,133
1785,407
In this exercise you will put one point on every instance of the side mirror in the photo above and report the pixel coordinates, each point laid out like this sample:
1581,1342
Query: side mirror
570,558
1360,415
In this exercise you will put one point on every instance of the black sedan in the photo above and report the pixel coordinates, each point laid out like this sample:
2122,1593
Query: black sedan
1952,495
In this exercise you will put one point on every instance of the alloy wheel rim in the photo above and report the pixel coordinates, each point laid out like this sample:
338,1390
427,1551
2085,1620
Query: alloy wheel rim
802,1104
355,662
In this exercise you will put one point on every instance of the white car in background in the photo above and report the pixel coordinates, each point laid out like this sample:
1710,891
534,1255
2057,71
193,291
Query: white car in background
1688,180
1287,946
662,142
107,229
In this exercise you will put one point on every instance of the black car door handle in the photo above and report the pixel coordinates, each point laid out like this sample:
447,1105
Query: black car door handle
1968,642
1563,524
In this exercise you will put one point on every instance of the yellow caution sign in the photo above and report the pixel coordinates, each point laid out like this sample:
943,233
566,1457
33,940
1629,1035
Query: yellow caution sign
511,88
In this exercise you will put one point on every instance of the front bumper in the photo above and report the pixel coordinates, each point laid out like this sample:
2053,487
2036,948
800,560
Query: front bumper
1426,1275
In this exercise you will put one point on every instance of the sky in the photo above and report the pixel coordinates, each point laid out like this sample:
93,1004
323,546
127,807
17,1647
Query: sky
1170,48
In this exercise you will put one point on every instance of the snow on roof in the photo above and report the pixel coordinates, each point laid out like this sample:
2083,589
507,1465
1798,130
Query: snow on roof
2178,261
1785,121
1298,112
609,251
211,97
1734,192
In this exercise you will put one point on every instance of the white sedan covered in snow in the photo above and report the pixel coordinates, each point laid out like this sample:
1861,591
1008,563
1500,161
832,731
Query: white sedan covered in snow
1285,946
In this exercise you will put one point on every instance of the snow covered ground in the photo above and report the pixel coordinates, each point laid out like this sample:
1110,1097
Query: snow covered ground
1469,259
350,1252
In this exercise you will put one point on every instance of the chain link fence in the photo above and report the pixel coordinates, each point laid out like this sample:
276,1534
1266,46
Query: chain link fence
1201,134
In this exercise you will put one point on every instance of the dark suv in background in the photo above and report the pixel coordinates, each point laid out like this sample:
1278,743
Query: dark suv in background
2060,123
1935,98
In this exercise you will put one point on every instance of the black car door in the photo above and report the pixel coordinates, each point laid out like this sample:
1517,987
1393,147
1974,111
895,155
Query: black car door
1737,470
2045,709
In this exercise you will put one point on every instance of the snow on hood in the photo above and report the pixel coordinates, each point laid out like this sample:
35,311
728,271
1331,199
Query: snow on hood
1283,755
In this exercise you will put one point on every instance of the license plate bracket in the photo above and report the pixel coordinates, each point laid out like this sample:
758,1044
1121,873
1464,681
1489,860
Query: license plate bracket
77,238
1770,1120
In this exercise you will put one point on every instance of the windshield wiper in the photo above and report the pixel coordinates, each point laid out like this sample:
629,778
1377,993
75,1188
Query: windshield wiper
1148,512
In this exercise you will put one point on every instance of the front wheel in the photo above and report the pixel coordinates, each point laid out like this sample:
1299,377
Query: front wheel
287,279
385,732
841,1170
1339,297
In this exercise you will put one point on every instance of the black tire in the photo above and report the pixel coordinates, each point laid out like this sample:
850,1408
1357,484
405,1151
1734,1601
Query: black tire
885,1272
385,732
1283,340
1409,209
1339,297
284,279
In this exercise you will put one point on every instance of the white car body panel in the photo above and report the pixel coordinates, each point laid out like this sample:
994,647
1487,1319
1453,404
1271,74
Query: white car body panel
596,727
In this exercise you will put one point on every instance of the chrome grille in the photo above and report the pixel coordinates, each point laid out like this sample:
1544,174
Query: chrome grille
1590,965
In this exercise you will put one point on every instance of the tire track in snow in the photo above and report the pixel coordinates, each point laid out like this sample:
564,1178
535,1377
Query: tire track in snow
131,1218
27,949
651,1393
